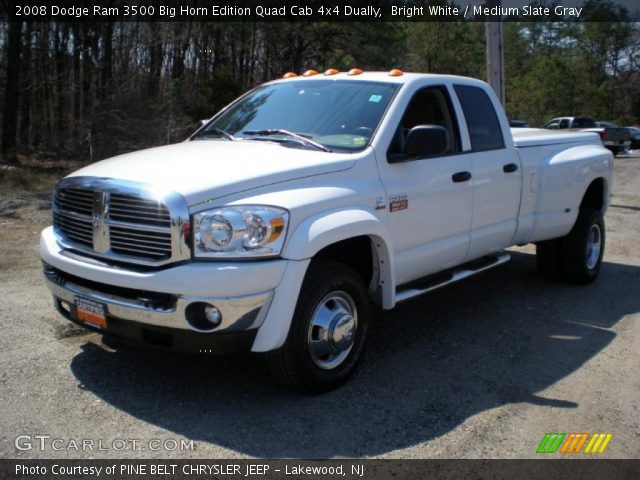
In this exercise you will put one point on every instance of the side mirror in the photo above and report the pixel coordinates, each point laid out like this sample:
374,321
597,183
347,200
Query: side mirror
425,140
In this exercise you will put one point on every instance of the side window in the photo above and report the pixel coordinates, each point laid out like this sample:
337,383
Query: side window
564,123
582,122
429,106
483,124
553,125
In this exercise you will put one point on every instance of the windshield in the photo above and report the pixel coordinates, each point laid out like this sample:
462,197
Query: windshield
334,114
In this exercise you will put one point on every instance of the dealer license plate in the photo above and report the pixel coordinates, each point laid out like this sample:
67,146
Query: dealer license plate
93,313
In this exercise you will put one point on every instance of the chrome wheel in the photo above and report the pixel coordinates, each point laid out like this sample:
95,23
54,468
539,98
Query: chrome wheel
332,330
594,245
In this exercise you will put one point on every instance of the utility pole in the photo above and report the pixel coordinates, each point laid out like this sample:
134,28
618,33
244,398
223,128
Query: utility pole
495,52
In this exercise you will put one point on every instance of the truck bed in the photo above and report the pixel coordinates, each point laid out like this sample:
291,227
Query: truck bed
537,137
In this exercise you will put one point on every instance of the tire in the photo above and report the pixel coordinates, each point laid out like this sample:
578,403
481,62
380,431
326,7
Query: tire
548,259
315,359
615,150
583,248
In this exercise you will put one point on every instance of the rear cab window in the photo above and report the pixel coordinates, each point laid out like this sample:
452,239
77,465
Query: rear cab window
582,122
485,131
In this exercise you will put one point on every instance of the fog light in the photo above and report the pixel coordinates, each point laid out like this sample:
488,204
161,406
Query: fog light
213,314
203,316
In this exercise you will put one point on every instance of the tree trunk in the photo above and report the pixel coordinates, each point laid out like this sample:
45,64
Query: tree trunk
106,65
27,95
61,80
155,60
77,84
10,115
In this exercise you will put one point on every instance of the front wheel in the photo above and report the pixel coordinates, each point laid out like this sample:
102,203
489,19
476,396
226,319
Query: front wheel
328,330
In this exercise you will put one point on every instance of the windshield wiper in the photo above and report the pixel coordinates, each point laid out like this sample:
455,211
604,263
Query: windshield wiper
216,132
280,131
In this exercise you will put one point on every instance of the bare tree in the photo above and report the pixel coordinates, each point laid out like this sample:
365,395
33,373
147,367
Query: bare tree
10,114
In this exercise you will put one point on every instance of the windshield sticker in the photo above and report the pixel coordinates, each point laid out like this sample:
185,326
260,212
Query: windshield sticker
375,98
359,141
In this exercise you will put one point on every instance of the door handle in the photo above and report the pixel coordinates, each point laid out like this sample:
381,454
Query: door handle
510,168
461,177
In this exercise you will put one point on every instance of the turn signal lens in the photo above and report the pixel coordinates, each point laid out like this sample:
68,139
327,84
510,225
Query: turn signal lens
277,227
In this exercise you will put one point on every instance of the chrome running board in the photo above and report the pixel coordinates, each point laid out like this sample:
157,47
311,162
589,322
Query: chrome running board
433,282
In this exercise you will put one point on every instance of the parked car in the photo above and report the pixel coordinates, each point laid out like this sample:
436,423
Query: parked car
614,138
278,223
634,133
518,124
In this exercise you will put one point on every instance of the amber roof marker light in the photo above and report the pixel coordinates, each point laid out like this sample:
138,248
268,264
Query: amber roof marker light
395,72
289,75
331,71
310,73
354,71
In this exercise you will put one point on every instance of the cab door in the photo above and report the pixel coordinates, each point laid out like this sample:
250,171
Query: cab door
497,173
429,198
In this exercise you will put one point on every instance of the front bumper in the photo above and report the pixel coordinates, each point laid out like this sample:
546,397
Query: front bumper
169,338
152,306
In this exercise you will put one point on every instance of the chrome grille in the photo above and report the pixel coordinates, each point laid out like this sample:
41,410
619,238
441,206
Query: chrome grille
128,241
126,208
107,219
77,229
75,200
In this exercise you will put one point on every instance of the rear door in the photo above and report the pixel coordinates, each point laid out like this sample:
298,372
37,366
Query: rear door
497,179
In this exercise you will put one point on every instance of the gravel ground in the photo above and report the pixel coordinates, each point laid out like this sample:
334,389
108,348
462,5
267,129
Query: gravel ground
481,369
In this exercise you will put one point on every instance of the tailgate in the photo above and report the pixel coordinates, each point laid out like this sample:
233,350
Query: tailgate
616,134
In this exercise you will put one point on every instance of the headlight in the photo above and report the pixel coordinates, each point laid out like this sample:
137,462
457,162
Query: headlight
242,231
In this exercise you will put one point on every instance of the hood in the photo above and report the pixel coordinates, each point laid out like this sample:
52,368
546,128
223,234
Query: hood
205,169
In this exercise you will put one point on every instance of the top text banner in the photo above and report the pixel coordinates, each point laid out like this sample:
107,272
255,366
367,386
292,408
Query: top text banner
317,10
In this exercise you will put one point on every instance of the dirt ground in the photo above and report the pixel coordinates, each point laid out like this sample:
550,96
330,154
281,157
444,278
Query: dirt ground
481,369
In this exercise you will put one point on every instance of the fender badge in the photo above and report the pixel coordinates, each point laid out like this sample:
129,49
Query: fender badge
399,201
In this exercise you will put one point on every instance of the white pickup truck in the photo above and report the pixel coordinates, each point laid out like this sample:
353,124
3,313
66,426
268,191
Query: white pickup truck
613,137
280,221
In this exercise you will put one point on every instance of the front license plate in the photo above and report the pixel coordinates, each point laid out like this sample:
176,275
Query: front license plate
93,313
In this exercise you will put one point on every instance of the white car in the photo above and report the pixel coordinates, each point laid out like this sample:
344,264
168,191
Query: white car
279,222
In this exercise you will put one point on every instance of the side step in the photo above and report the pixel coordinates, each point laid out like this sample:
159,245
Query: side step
438,280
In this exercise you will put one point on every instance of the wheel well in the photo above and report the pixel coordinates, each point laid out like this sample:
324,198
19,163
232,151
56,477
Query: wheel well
594,196
357,252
